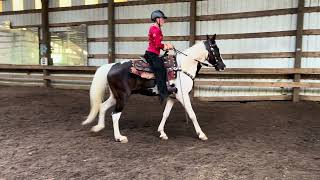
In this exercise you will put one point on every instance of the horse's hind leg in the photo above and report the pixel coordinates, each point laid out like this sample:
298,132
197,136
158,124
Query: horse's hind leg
120,103
111,101
165,116
117,135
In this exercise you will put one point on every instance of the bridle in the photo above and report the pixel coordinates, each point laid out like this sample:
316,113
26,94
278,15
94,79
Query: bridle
211,55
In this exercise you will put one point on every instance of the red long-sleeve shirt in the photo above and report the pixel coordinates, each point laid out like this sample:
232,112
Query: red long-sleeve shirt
155,38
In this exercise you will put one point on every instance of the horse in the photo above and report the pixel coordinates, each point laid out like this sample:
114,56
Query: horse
121,83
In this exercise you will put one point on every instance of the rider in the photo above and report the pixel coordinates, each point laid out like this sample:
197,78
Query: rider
153,51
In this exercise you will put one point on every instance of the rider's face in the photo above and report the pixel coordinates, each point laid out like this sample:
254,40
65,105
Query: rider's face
161,21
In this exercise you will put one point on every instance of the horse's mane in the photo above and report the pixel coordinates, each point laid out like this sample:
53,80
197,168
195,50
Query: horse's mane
194,49
199,66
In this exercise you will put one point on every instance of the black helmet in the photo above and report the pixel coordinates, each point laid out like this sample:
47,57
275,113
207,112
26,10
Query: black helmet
157,14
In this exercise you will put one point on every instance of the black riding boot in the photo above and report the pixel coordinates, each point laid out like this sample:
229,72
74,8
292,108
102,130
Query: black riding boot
160,73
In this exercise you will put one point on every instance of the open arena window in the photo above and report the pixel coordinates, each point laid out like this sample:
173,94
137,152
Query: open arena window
37,4
17,5
19,46
69,46
89,2
64,3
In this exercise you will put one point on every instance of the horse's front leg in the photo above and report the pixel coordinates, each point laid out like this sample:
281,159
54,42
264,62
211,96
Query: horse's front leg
165,116
185,101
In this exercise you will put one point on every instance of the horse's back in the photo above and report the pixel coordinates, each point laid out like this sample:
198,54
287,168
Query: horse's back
119,70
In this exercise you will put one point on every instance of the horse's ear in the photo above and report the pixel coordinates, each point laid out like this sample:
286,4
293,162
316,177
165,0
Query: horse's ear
214,37
208,37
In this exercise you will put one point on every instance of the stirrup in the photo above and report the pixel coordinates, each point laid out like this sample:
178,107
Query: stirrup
172,89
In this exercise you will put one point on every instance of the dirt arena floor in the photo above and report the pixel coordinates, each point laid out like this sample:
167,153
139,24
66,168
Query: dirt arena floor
41,138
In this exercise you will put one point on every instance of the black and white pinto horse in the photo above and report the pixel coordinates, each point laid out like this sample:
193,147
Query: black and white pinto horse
116,78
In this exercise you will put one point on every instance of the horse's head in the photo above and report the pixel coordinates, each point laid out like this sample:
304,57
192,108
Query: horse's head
214,56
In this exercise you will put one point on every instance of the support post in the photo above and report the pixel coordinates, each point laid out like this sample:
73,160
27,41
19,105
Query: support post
45,48
193,14
298,53
111,34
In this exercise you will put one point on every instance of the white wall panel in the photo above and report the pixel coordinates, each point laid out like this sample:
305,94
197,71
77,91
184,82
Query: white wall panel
260,63
140,47
78,15
98,47
249,25
29,4
7,5
97,31
121,30
77,2
310,63
232,6
144,11
130,47
169,29
312,20
176,29
311,43
312,3
53,3
97,62
22,19
257,45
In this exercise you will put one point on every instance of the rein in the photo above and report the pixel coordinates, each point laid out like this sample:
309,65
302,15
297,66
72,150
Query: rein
202,63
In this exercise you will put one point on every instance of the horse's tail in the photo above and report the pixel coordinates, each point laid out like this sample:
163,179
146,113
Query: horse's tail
97,91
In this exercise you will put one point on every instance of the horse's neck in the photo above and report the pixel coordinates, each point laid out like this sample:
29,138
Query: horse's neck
189,63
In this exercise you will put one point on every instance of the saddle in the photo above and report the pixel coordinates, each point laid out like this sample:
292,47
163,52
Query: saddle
142,68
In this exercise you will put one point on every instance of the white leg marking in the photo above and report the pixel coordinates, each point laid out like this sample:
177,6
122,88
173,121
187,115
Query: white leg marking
165,116
116,131
187,105
103,108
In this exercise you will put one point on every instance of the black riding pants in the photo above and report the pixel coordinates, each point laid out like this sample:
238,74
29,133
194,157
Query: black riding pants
160,72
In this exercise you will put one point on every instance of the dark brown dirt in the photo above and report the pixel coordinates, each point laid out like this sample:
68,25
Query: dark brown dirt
41,138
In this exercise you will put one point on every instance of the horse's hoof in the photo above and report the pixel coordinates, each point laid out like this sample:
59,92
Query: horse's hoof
163,137
122,139
85,123
96,128
203,137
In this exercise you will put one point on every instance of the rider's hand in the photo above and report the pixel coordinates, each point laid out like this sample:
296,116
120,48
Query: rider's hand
168,47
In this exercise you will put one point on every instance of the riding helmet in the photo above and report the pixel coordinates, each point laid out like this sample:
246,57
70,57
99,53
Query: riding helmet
157,14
